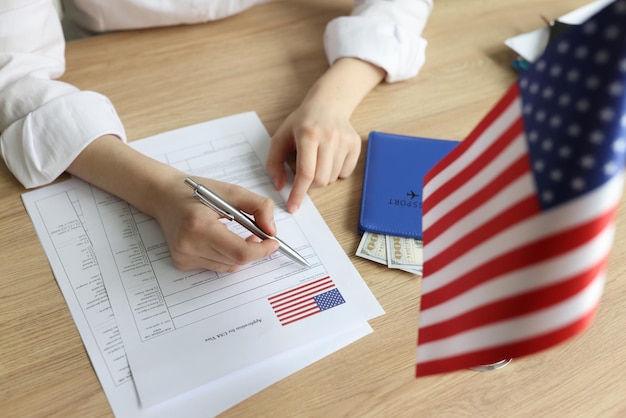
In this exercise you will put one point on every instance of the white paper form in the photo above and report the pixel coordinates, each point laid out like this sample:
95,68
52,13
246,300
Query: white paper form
58,218
531,45
184,329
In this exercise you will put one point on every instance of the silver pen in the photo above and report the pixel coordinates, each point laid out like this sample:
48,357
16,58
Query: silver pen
231,213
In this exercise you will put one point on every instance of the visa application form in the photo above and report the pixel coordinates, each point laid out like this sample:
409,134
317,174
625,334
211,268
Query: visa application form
182,330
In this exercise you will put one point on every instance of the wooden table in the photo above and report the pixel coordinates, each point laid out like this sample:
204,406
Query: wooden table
265,59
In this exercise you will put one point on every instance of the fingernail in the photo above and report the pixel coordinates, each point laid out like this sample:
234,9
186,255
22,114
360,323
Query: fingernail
293,208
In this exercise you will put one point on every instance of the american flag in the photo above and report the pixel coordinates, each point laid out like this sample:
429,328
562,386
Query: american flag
518,220
305,300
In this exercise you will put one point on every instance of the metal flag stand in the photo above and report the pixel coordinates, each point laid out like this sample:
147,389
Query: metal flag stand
493,366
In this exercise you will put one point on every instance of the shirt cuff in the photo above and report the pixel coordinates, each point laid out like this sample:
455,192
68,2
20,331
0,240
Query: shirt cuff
39,147
393,48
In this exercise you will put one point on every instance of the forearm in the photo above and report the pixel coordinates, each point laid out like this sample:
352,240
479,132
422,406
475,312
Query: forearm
112,165
344,85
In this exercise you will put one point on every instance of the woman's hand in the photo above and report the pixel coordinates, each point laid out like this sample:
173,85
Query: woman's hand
319,130
198,239
195,235
327,147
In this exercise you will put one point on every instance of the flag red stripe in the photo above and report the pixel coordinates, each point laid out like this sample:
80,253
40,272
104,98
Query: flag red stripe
512,307
523,256
476,166
303,314
300,292
510,96
298,307
500,182
284,322
512,350
294,291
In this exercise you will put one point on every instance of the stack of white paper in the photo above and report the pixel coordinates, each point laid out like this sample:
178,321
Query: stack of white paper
196,342
530,45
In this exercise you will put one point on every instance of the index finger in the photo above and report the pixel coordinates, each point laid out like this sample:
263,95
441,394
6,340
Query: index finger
306,160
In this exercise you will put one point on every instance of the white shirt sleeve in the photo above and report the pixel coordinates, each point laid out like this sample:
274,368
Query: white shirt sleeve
113,15
386,33
44,124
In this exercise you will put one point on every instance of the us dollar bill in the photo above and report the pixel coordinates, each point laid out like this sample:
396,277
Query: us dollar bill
373,247
394,252
404,254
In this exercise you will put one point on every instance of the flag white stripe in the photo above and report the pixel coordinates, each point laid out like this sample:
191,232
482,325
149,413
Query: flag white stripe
515,330
511,114
487,174
538,276
545,224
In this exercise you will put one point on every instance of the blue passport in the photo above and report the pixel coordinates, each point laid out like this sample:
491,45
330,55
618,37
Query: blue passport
395,165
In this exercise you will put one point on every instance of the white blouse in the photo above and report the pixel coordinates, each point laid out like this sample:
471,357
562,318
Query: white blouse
45,123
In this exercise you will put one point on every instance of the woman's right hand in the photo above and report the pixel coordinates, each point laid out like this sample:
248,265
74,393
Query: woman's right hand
196,237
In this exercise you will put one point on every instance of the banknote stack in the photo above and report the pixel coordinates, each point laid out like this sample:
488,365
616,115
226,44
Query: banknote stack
394,252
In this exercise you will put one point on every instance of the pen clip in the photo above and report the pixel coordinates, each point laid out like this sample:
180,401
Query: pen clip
219,211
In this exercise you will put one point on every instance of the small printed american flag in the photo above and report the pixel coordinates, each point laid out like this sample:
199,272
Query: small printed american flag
305,300
519,218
